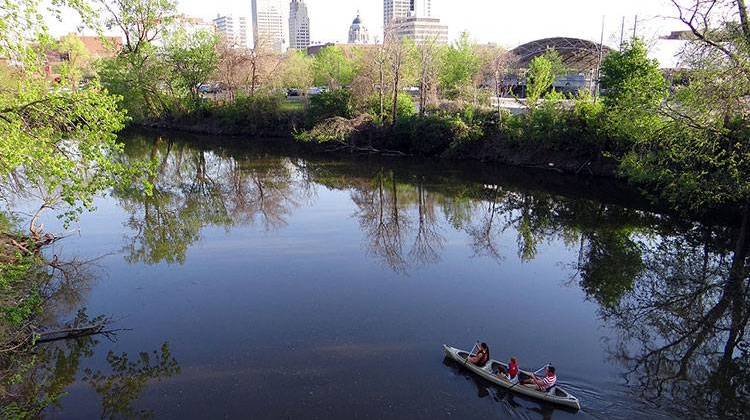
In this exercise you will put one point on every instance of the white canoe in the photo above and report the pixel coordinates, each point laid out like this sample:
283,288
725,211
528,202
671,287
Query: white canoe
557,395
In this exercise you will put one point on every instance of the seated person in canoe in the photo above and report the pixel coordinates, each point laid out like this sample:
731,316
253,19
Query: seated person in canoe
546,383
482,357
511,374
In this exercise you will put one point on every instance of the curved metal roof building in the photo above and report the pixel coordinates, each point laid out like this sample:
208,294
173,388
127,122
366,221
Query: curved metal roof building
577,54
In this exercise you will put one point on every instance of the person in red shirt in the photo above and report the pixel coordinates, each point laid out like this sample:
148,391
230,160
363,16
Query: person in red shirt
512,373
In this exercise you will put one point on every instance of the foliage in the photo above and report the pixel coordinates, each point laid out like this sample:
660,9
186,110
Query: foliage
335,103
406,107
296,71
192,59
76,64
634,88
459,65
539,79
331,67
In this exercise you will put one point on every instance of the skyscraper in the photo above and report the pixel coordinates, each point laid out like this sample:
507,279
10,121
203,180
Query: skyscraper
268,24
400,9
233,30
299,25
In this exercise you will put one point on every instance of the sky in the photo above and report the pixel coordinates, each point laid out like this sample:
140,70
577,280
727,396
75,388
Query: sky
505,22
508,23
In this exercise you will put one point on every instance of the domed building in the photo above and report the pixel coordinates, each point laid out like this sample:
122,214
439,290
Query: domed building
358,32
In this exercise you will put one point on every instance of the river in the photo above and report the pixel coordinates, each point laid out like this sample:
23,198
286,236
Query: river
255,283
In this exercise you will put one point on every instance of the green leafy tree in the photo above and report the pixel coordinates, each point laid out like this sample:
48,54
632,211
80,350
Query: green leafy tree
296,71
539,80
193,59
77,61
634,88
138,74
331,67
459,65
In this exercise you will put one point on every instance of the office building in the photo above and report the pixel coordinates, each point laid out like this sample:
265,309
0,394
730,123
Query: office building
401,9
268,25
421,29
299,25
233,29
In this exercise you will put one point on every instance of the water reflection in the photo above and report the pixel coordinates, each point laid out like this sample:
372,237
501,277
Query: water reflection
684,323
41,378
675,293
35,379
194,188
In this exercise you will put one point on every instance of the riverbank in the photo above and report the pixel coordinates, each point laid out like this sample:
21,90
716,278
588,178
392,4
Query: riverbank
418,137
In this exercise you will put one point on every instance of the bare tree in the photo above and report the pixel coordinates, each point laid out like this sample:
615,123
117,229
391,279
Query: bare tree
427,52
398,54
232,68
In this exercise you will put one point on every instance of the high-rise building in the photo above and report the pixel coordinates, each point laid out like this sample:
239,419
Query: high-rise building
233,29
400,9
268,24
420,29
358,32
299,25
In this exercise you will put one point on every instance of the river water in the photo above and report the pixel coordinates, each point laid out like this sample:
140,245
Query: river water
258,284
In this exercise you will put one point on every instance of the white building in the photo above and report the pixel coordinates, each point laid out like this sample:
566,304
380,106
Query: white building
400,9
358,32
421,29
299,25
233,29
268,24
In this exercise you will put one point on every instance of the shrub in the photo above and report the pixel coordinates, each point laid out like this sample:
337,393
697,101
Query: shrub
335,103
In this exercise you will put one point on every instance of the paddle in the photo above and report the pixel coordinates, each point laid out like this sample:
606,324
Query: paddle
471,353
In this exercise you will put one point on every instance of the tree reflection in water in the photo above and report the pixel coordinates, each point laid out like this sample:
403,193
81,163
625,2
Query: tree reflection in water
38,379
684,323
194,188
677,296
33,380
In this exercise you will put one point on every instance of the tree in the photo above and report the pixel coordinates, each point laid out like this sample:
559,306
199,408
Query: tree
426,56
192,58
399,56
232,66
700,159
137,73
77,59
331,67
459,65
630,77
140,21
497,63
60,143
296,71
539,79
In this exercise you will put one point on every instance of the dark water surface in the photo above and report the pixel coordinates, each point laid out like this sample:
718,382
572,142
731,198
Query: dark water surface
258,285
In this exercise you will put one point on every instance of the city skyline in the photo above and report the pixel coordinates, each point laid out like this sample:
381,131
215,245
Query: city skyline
500,22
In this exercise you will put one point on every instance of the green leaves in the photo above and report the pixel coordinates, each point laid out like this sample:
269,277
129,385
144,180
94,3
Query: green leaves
193,58
459,64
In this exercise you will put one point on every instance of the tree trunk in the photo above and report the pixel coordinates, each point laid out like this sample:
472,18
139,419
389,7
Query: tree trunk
396,81
744,19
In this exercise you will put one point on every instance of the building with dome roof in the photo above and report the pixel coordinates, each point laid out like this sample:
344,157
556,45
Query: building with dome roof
358,32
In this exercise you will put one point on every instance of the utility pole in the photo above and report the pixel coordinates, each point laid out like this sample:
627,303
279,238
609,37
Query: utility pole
622,33
599,62
635,27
